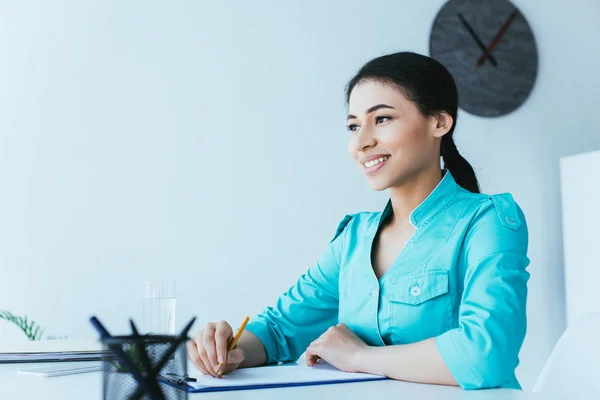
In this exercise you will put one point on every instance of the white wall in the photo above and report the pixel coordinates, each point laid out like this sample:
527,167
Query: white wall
205,141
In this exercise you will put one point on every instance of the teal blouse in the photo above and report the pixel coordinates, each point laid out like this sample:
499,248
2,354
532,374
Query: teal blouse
461,278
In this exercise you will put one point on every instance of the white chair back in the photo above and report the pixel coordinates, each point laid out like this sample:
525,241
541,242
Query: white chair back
573,368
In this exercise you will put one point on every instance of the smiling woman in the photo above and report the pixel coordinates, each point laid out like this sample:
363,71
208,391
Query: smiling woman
432,289
410,106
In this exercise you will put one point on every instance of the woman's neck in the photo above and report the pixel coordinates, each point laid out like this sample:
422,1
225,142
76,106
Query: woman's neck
406,197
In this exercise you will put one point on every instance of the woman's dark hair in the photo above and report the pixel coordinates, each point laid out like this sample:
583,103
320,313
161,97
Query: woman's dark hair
430,86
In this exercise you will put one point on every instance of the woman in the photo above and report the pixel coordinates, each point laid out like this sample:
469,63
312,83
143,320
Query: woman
433,288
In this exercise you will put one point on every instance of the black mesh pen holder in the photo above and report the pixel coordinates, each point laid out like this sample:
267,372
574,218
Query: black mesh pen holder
134,367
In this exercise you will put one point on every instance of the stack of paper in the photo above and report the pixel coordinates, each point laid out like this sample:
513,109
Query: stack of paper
51,350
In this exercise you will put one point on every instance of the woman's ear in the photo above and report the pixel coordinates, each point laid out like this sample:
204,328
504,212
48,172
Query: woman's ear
443,124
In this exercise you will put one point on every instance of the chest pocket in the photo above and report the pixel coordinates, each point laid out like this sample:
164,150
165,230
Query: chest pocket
419,305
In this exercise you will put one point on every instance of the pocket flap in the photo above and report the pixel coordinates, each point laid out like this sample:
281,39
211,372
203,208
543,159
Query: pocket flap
418,287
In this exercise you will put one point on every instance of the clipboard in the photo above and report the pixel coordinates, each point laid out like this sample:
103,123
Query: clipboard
274,376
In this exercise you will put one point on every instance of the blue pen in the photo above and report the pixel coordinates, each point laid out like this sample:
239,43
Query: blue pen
100,328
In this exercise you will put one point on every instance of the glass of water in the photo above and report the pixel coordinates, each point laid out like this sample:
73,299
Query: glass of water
158,316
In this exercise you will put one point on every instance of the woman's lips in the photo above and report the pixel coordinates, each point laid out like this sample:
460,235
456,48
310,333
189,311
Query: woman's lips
374,168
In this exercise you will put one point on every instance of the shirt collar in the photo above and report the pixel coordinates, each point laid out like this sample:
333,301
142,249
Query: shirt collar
441,196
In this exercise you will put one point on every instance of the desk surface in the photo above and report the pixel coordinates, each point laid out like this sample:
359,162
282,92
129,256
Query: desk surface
89,386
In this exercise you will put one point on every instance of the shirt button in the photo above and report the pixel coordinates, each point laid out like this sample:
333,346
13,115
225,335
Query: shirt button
511,220
374,293
415,291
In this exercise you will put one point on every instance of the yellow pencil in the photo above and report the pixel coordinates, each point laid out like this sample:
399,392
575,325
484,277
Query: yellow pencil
235,340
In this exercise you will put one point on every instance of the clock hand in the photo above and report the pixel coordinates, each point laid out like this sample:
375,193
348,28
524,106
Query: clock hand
494,42
480,44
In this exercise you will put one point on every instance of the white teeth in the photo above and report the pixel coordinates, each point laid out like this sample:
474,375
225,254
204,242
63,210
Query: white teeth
372,163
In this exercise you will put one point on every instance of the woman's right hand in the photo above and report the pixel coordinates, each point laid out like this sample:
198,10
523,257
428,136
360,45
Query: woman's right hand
209,348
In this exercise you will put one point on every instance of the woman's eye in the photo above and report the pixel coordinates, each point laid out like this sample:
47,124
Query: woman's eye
381,119
352,127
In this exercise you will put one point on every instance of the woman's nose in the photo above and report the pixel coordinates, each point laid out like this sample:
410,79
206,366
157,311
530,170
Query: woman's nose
364,140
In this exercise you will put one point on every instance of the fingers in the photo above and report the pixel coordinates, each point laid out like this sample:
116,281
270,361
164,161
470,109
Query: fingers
209,346
194,357
205,360
223,335
208,350
312,356
234,359
313,351
204,364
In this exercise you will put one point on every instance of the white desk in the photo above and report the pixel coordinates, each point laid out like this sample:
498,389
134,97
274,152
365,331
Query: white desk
89,386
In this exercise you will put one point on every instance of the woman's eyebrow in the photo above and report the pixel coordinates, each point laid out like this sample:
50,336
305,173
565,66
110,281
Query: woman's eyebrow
373,109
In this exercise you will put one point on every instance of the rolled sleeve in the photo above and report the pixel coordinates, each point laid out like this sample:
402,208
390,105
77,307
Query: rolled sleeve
268,335
306,310
482,352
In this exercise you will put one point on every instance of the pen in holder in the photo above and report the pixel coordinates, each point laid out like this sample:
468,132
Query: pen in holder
133,363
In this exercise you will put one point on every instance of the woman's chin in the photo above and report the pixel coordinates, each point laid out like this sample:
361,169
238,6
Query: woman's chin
377,184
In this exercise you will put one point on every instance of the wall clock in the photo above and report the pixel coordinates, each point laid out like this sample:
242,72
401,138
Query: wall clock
490,50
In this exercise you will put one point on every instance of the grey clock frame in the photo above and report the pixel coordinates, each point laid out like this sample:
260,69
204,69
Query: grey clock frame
487,91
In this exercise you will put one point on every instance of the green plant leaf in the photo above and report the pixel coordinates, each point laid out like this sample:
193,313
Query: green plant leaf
29,328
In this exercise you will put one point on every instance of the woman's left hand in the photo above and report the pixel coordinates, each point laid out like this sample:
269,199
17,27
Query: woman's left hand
338,346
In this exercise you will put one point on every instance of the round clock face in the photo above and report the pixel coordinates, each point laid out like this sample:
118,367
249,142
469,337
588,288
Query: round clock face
489,49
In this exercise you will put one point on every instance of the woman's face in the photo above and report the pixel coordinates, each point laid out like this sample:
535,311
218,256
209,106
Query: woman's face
389,137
